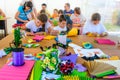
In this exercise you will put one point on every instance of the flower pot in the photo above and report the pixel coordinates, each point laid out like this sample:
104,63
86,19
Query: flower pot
18,56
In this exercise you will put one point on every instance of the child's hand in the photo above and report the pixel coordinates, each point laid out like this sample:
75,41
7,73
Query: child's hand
40,33
30,34
96,34
26,21
54,32
103,34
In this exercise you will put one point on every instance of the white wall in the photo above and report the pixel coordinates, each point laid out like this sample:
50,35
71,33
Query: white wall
87,7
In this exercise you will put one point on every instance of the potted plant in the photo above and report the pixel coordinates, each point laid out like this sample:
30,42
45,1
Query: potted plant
17,50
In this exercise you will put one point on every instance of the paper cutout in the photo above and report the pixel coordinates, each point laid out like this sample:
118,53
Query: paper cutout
73,32
87,45
31,45
80,68
105,41
49,76
114,63
67,40
80,74
89,52
16,73
62,39
39,38
74,46
49,37
2,53
72,58
30,41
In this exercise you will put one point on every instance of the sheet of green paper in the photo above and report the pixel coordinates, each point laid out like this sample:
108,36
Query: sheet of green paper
37,74
75,72
105,73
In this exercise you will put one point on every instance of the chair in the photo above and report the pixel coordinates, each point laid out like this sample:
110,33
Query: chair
3,26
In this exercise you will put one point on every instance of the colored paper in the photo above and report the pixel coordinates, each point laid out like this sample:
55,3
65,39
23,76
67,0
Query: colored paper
114,63
99,69
73,32
49,37
105,41
37,37
89,52
74,46
2,53
16,73
80,68
72,58
112,77
37,73
31,76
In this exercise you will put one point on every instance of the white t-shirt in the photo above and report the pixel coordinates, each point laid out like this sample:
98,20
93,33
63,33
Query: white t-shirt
90,27
58,28
32,26
77,19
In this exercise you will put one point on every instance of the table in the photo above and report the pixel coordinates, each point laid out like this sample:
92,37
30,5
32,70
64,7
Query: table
5,25
110,50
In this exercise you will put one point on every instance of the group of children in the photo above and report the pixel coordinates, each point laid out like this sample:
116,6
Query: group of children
38,23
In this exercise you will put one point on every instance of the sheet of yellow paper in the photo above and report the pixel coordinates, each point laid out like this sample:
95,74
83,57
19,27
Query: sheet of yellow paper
31,77
49,37
73,32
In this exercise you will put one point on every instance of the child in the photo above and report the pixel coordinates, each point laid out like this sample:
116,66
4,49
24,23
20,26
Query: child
22,14
44,7
55,14
67,10
78,19
39,26
60,12
2,14
94,26
34,9
61,26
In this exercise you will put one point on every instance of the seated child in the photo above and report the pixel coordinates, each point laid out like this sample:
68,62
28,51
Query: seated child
94,26
22,14
55,14
78,20
39,25
61,26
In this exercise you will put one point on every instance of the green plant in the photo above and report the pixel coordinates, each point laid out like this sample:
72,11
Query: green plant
17,37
